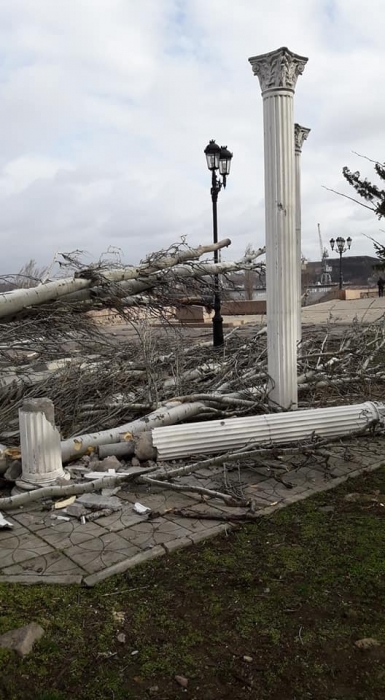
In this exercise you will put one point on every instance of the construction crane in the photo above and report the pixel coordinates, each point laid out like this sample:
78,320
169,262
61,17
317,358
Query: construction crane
326,269
324,251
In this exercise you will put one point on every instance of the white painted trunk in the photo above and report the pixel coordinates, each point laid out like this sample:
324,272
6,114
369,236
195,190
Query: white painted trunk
169,414
227,434
195,269
13,302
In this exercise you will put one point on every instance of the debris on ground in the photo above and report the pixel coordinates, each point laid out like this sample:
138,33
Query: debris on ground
142,510
182,681
4,524
97,502
13,472
367,643
65,502
22,639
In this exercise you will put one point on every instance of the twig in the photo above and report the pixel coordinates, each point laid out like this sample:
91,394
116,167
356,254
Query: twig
73,489
230,500
211,515
125,590
347,197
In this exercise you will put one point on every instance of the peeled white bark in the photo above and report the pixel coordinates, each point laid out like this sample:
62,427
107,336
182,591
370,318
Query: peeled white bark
13,302
195,269
169,414
104,482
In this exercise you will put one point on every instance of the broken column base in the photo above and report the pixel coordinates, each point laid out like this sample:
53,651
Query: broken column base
21,485
40,445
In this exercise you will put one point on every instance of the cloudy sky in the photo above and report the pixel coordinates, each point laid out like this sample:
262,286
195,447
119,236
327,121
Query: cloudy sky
107,105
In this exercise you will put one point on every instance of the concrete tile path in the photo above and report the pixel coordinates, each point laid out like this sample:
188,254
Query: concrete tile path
335,312
42,549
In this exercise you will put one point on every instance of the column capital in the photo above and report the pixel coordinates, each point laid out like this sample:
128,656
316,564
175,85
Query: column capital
278,70
300,135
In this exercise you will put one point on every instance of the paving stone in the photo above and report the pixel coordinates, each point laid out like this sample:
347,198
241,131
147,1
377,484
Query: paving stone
119,521
35,579
64,535
210,472
125,565
255,475
276,491
218,507
255,493
17,529
161,501
215,483
99,553
18,548
50,564
340,467
179,543
192,524
305,476
148,534
211,532
34,521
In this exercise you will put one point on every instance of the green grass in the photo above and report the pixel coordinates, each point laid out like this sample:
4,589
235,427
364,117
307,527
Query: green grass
293,591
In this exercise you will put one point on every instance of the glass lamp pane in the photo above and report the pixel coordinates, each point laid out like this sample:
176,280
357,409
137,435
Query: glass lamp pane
212,152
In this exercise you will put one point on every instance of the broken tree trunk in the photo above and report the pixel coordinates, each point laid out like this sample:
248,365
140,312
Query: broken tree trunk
15,301
173,412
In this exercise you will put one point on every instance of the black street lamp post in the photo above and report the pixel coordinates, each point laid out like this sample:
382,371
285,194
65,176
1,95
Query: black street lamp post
342,247
218,158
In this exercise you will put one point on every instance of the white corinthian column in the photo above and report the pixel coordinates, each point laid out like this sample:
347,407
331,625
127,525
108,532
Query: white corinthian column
300,135
278,72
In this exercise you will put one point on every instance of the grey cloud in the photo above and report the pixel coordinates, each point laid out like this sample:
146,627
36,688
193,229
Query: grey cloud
112,103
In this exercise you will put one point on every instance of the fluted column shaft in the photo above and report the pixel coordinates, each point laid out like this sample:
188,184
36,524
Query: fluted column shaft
278,72
300,135
40,444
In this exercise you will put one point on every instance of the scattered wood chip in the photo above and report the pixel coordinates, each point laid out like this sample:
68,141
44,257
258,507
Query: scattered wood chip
367,643
65,502
182,681
119,616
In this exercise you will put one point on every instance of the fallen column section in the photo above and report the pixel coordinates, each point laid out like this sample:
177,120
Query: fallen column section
210,437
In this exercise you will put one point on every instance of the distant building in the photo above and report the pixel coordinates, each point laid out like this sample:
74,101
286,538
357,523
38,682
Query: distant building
357,270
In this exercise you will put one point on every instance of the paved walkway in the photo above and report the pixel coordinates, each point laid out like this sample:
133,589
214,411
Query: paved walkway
42,549
334,311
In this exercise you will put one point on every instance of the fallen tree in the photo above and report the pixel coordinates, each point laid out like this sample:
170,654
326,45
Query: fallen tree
108,386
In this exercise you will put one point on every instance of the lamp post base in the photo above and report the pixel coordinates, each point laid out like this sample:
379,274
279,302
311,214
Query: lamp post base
217,330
